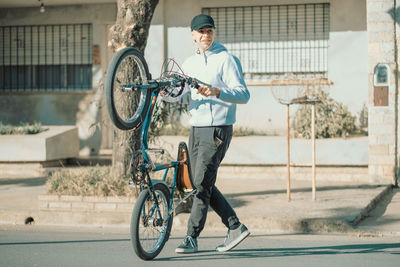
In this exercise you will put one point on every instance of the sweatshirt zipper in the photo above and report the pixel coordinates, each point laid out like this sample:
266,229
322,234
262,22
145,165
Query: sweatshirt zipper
211,115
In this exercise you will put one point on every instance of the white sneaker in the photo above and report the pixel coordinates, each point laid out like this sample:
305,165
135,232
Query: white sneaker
189,245
233,238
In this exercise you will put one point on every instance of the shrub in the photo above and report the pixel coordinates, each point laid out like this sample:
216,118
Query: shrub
22,128
165,119
88,181
333,119
363,119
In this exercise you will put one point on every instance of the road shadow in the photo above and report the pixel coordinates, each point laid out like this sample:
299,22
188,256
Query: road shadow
206,255
300,190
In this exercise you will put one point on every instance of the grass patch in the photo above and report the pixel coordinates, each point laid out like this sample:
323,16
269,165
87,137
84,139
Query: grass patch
22,128
88,181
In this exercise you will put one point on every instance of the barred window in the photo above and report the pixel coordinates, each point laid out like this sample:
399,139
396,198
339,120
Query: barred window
46,58
275,39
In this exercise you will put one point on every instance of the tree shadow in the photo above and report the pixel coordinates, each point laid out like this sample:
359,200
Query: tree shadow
375,217
37,181
63,242
395,14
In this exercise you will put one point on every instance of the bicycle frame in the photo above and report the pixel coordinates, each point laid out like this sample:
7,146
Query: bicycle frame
158,167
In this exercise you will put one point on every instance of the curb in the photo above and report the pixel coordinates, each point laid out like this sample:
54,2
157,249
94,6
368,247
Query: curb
122,219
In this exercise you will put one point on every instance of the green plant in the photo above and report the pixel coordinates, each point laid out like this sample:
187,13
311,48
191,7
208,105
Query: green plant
166,119
333,119
22,128
363,119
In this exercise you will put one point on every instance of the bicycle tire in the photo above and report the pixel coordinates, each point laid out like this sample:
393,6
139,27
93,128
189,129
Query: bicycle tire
145,246
127,109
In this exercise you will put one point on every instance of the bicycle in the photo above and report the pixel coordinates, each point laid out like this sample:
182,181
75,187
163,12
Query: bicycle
128,79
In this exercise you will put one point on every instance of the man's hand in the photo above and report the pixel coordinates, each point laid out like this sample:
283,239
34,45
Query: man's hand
208,91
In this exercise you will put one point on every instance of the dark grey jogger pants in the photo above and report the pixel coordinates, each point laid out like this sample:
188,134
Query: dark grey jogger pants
207,147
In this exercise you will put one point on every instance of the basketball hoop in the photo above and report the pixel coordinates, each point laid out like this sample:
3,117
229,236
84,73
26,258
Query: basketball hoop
290,90
293,90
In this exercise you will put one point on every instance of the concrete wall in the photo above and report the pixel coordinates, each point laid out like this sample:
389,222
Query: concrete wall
62,108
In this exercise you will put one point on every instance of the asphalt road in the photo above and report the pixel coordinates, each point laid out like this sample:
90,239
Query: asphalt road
51,246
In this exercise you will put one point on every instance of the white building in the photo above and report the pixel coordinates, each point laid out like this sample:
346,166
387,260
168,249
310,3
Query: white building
51,61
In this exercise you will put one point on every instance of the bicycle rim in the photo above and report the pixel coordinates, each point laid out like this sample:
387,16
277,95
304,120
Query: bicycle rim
148,230
127,108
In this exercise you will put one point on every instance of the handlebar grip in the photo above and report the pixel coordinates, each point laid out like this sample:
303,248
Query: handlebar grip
196,84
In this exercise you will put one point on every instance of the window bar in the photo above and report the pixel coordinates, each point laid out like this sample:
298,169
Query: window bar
82,74
217,19
52,57
226,22
279,39
31,66
296,41
305,36
251,46
60,58
245,50
66,58
38,63
269,40
17,55
24,65
73,67
45,58
289,45
316,50
10,63
260,42
234,29
4,65
89,47
324,38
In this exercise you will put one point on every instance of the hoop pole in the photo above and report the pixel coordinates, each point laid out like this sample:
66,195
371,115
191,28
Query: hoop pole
288,152
313,151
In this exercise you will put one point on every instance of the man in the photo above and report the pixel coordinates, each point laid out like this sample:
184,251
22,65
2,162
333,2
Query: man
213,111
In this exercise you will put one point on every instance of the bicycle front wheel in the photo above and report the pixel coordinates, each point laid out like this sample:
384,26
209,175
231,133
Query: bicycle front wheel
126,104
149,231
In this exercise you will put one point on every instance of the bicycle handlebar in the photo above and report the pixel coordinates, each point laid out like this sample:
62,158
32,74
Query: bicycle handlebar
174,80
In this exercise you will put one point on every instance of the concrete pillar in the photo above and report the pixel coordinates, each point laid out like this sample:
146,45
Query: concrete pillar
383,119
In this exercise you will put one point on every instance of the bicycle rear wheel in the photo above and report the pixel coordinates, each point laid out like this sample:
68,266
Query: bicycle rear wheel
149,232
127,108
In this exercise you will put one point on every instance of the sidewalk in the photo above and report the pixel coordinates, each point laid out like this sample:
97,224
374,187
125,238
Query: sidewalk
253,178
260,203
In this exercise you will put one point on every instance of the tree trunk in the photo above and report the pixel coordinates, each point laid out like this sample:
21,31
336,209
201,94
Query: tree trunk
131,29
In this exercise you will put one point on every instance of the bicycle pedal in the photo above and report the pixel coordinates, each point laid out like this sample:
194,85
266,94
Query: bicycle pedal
131,184
156,150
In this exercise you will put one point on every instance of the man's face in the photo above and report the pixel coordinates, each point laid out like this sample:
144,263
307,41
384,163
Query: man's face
204,38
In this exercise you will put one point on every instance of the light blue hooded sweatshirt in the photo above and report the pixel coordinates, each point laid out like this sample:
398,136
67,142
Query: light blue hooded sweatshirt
218,68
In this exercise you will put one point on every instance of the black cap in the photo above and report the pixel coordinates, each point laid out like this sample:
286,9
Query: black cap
201,21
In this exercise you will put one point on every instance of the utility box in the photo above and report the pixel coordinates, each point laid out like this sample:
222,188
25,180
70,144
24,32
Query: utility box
381,85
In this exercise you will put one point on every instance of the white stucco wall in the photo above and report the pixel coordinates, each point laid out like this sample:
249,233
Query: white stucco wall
65,108
347,55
